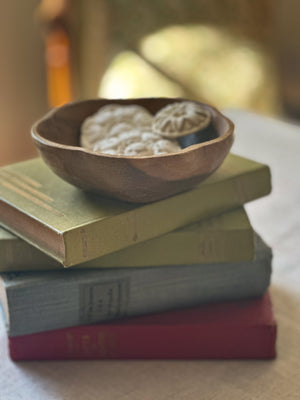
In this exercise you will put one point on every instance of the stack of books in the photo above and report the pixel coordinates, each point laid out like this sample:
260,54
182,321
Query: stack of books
86,277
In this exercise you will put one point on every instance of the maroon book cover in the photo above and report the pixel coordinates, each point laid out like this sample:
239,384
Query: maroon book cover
243,329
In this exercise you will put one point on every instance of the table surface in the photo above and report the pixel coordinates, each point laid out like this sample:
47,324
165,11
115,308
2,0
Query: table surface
277,218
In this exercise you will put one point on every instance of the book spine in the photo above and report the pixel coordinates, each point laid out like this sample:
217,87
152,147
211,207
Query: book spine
190,341
51,300
175,248
180,248
158,218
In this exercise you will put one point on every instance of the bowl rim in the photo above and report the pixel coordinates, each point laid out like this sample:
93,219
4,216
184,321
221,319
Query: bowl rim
46,142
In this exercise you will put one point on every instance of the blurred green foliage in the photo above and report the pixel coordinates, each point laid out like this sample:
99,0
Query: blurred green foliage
200,62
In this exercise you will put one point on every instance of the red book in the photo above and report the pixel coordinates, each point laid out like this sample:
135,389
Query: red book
235,330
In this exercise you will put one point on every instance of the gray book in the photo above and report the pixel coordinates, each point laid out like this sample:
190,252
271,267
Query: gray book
42,301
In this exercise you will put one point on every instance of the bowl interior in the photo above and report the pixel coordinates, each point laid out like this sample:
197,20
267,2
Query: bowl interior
62,126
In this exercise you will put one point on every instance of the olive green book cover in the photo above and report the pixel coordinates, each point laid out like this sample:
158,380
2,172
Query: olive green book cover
73,226
228,237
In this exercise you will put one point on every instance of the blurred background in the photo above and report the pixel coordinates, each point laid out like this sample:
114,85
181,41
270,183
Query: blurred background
229,53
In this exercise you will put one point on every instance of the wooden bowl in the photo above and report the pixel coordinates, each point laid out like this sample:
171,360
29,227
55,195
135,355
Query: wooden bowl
133,179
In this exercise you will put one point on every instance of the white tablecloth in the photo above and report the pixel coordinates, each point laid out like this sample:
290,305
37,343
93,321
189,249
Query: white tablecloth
277,219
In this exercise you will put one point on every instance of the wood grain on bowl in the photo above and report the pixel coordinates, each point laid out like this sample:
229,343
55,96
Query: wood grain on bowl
133,179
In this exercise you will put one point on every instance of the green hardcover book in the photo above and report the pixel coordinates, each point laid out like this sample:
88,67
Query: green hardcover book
228,237
73,226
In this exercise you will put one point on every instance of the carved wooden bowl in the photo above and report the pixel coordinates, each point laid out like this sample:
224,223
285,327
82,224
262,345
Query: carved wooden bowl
133,179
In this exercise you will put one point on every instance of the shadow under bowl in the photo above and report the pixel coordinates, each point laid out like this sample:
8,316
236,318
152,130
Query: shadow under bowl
132,179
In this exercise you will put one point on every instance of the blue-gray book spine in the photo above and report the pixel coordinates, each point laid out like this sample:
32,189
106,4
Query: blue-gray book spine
42,301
